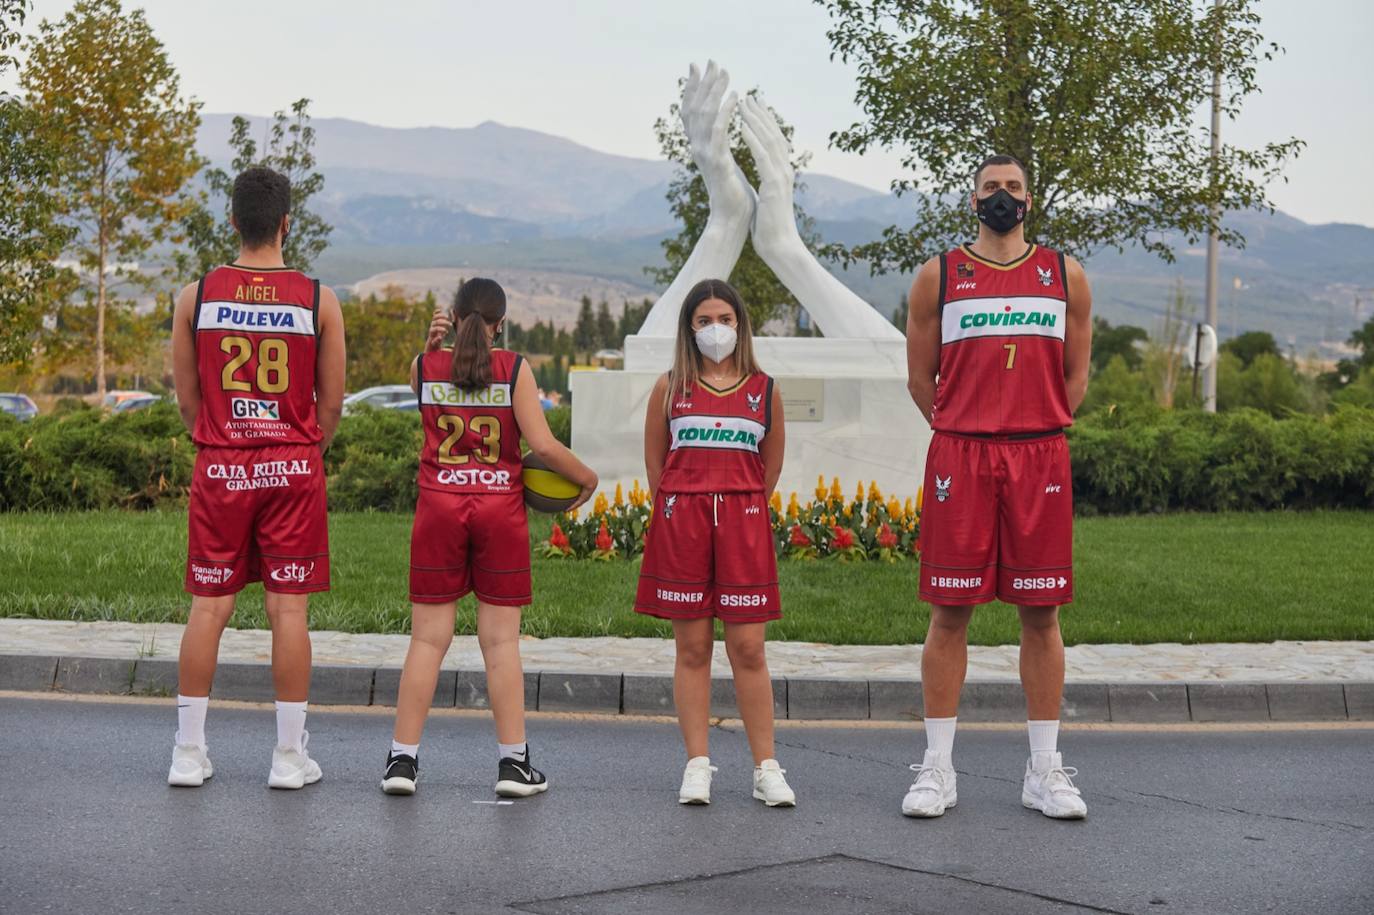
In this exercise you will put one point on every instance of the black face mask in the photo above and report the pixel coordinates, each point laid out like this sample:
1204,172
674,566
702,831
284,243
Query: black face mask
1001,212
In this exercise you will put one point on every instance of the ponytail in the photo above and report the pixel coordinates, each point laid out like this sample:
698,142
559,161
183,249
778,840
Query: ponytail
478,304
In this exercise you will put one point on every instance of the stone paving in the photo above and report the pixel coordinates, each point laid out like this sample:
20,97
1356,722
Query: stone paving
1274,662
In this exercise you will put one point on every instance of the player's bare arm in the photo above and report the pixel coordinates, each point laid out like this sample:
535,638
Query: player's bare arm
329,368
185,374
534,428
923,336
771,449
656,434
1078,333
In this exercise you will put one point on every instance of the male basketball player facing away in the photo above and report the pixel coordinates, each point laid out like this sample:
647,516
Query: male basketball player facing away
998,341
258,352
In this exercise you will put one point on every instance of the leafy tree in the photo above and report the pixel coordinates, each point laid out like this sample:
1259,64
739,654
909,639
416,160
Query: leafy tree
106,96
32,234
630,320
290,145
384,335
764,296
1250,345
584,332
1116,385
1121,340
605,326
1099,100
1269,383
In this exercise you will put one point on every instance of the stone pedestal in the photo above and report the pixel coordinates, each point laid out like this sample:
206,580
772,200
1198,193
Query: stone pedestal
848,413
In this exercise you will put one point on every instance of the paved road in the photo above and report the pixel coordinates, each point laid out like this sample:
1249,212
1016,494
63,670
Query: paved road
1195,821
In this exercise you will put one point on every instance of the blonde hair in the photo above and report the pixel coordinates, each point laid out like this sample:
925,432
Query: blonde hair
687,359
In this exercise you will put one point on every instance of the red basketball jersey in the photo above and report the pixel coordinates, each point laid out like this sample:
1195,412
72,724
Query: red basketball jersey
1002,344
256,344
472,442
714,437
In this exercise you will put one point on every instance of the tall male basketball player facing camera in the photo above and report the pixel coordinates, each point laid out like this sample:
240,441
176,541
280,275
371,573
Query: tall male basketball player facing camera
998,342
258,352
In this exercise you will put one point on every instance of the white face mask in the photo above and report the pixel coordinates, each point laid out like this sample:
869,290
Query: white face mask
716,341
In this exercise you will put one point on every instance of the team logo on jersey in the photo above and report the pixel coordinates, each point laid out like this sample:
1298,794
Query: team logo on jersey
1039,583
1045,274
250,408
211,575
668,506
1052,487
941,488
496,478
964,271
755,401
296,573
967,284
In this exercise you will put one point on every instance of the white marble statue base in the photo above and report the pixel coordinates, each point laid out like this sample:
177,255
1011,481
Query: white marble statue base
855,425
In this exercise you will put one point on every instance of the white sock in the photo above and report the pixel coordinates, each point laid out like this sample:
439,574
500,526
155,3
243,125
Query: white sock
404,749
1044,736
290,724
940,735
191,719
515,751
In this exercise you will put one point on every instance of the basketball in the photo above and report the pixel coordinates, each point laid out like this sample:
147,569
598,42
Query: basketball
545,490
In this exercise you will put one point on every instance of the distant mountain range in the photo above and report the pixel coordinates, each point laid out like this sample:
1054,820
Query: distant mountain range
496,196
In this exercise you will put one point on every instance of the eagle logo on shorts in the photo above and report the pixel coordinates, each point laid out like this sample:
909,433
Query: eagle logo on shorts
755,401
941,488
1046,277
668,506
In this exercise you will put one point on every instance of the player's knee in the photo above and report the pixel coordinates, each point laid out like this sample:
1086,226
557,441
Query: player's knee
747,656
951,620
216,610
1039,620
693,655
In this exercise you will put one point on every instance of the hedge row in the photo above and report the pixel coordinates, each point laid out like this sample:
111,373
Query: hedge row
1124,461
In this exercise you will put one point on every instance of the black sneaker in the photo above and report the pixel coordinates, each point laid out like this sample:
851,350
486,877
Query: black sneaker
517,778
402,771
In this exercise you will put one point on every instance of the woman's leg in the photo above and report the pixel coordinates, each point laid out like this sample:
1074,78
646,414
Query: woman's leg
498,634
431,631
692,682
753,686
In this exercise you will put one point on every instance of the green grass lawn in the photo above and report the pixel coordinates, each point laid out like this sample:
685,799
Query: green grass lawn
1188,578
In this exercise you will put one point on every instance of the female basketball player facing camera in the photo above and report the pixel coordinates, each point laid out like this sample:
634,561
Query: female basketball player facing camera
713,444
470,533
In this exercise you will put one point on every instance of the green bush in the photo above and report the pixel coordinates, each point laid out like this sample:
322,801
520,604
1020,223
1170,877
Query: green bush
1145,459
560,423
79,458
374,460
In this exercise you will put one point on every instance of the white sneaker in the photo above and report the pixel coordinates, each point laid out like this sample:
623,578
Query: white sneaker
770,787
190,766
1049,788
696,781
293,768
935,789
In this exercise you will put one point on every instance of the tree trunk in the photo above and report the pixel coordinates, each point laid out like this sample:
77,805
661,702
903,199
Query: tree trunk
100,321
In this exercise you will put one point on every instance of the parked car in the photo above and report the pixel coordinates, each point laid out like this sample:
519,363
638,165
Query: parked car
382,396
130,404
114,398
20,406
411,404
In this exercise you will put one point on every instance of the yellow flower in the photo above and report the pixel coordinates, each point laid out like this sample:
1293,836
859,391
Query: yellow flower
599,504
848,512
894,508
775,502
859,493
820,489
909,509
874,494
619,496
836,493
793,509
572,515
920,492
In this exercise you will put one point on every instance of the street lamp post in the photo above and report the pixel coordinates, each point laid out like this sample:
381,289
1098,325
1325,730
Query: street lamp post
1209,377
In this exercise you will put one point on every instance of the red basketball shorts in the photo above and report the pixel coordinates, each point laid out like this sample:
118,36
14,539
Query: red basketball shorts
258,514
467,542
710,554
997,521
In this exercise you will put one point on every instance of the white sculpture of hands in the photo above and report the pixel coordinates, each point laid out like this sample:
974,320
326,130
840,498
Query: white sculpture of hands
832,305
707,124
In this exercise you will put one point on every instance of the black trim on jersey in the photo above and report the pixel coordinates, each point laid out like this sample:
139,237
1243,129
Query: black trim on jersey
1064,281
944,280
967,248
195,319
768,407
514,377
262,269
1010,295
315,309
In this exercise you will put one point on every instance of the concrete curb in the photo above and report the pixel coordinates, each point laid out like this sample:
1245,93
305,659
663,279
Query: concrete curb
798,698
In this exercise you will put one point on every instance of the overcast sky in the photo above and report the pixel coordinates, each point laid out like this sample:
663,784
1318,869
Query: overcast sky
600,72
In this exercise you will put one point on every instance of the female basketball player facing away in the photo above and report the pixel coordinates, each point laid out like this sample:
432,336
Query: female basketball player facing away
470,532
713,442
